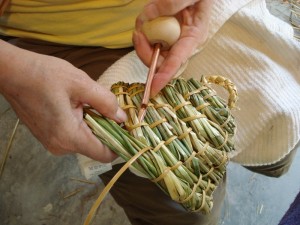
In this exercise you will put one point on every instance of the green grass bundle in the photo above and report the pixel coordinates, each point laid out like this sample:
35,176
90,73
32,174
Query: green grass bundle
184,138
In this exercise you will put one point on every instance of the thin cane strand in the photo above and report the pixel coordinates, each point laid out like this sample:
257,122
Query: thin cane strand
156,123
157,106
135,93
99,200
166,171
157,147
209,95
191,118
121,93
125,107
194,190
202,106
132,127
185,134
181,105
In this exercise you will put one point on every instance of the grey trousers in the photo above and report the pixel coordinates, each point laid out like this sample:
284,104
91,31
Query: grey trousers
143,202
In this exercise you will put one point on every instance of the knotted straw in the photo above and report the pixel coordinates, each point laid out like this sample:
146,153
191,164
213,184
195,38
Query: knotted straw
182,143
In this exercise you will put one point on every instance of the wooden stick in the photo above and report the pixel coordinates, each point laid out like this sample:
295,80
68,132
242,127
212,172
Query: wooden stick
8,147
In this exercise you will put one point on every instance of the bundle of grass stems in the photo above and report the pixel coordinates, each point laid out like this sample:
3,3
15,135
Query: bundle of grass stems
183,141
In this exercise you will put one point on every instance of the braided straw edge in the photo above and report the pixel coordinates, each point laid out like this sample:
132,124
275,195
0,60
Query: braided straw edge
226,84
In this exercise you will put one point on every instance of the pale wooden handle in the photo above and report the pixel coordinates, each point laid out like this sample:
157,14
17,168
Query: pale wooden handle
162,30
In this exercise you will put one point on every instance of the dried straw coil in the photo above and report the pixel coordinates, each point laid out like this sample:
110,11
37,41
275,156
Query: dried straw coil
182,143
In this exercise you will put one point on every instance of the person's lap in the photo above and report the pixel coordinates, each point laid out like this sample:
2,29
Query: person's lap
143,201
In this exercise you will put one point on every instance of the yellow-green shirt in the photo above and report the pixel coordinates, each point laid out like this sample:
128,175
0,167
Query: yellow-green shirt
107,23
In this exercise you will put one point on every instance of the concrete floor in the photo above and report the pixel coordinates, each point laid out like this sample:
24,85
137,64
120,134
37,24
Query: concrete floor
37,188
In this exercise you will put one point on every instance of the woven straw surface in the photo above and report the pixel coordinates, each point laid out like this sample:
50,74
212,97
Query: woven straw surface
185,137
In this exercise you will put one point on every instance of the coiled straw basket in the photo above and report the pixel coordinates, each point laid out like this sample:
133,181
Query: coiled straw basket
183,142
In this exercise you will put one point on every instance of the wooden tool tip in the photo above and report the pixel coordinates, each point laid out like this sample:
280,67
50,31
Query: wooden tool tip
141,114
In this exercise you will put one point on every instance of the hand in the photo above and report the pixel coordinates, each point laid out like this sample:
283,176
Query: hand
193,15
48,95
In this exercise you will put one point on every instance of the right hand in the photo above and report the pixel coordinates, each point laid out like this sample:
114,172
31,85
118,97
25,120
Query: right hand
48,95
194,17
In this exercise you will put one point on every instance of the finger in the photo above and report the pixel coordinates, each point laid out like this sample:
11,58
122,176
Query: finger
158,8
164,75
88,145
72,134
102,100
176,57
143,49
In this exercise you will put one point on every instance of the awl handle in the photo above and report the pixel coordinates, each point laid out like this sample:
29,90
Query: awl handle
162,30
162,33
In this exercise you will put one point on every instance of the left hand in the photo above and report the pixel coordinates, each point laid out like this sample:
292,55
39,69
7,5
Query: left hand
193,16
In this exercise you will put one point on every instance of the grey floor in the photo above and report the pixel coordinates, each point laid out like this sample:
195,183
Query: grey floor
37,188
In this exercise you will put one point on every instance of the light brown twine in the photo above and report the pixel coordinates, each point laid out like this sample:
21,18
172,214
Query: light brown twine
128,107
190,158
170,140
118,85
156,123
202,106
209,172
225,141
157,106
185,134
226,121
209,95
224,160
193,191
181,105
208,186
224,134
190,118
203,201
157,147
150,104
201,152
166,171
197,91
99,200
130,128
135,85
136,92
121,93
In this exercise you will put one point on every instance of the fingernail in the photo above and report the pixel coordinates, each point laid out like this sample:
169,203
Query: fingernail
121,115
